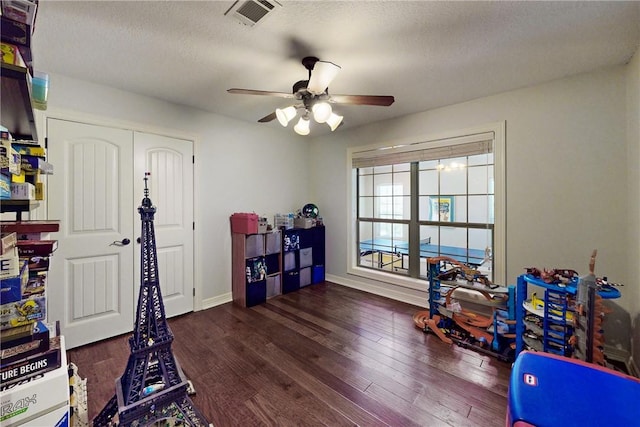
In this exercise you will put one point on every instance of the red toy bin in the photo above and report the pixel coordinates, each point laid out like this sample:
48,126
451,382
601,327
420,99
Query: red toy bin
245,223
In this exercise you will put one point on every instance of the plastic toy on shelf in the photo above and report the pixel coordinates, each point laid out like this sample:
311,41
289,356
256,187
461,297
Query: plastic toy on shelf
567,319
467,309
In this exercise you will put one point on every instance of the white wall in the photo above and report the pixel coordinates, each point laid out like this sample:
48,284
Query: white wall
632,291
566,174
240,167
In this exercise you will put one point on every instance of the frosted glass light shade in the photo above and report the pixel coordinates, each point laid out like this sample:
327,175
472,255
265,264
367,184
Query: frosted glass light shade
302,128
334,121
323,73
284,115
321,111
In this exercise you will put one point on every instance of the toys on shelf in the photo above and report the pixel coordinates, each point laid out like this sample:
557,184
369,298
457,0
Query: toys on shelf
567,319
466,308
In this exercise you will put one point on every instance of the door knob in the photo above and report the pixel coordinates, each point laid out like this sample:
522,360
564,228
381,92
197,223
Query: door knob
123,242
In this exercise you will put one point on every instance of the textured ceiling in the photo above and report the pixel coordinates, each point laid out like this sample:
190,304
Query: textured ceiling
426,54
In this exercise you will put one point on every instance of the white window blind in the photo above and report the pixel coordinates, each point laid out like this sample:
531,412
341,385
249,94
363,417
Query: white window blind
467,145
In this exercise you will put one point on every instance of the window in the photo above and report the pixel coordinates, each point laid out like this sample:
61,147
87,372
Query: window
434,198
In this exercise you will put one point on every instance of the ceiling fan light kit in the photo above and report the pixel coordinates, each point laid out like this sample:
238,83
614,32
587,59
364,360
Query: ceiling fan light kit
323,74
315,97
285,115
302,128
334,121
321,111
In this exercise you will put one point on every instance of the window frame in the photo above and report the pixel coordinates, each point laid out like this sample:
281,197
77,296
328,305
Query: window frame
444,139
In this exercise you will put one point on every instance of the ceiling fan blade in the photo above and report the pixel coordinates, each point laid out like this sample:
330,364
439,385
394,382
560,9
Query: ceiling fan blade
380,100
322,75
267,118
260,92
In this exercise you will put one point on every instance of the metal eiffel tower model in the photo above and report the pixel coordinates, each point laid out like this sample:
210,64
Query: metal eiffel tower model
153,387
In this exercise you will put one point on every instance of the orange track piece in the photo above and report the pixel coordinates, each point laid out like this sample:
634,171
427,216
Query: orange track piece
476,332
422,321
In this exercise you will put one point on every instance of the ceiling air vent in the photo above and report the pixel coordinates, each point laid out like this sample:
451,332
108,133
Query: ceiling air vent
250,12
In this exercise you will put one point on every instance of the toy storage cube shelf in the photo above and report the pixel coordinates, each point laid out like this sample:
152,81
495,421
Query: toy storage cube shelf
256,260
303,257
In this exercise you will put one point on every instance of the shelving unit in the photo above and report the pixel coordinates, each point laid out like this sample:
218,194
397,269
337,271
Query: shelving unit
16,107
544,324
483,318
552,324
256,273
34,342
303,257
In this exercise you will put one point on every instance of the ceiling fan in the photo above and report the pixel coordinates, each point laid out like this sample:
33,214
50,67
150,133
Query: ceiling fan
314,98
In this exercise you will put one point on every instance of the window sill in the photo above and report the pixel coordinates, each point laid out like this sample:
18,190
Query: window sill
390,278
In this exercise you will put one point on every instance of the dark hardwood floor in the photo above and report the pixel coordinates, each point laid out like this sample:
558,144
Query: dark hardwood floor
326,355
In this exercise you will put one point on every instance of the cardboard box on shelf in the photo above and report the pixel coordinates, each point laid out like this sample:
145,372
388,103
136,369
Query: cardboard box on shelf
23,347
29,150
283,221
303,222
23,11
23,191
9,264
11,54
22,312
263,225
5,187
8,241
11,288
33,163
16,33
34,400
40,193
31,248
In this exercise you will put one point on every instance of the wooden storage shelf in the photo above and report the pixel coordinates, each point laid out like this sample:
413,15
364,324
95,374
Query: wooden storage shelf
256,267
19,206
288,268
18,227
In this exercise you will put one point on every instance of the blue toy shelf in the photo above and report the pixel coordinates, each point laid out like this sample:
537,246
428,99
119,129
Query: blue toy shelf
497,339
551,328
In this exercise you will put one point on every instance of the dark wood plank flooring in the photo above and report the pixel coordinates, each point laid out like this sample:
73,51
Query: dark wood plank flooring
326,355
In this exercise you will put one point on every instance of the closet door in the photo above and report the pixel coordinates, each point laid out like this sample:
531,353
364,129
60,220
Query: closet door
98,184
91,285
170,162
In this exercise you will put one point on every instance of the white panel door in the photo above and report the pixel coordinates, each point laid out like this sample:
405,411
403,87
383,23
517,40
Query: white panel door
169,160
91,279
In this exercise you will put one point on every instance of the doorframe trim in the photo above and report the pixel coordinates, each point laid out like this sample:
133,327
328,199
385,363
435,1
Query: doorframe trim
92,119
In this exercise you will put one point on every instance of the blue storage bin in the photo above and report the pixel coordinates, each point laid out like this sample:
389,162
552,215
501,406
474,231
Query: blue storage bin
317,274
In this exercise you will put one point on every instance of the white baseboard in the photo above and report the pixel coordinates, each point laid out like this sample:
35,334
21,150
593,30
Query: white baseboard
216,301
398,293
409,296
